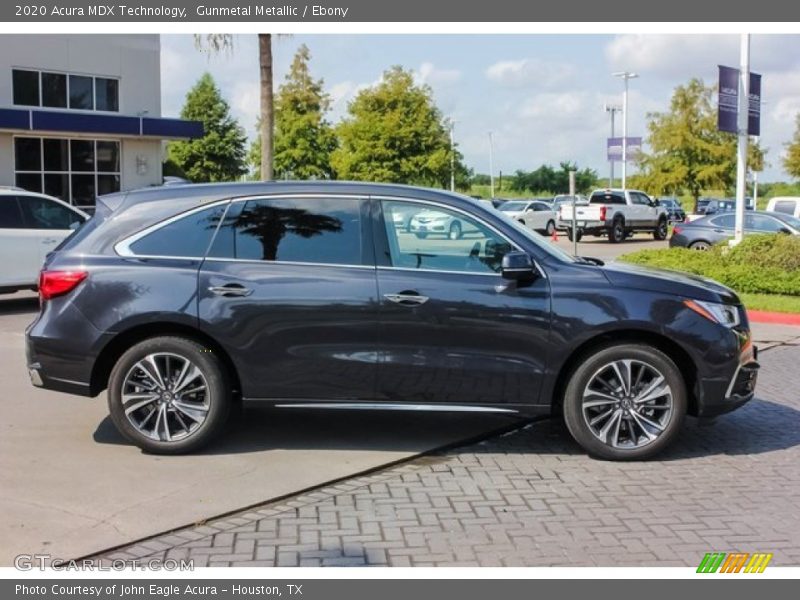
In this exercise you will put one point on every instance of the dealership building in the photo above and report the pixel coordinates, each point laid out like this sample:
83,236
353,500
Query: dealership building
80,115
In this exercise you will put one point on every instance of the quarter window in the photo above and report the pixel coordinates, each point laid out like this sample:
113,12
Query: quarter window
305,230
186,237
440,239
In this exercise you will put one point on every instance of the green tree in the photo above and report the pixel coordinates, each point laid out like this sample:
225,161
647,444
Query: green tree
791,161
304,139
218,42
687,152
548,180
220,154
395,133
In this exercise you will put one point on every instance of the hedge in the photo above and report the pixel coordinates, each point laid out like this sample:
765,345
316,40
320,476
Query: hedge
766,264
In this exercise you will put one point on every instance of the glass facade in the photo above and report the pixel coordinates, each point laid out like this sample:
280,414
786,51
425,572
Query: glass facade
75,170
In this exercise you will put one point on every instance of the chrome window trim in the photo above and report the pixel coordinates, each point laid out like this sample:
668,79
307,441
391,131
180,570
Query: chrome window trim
287,262
463,212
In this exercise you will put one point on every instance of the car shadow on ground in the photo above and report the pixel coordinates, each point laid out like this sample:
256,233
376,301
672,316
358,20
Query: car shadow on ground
760,427
17,304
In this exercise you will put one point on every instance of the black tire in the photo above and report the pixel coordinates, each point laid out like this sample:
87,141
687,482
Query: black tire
579,235
661,231
217,386
594,363
550,229
455,231
616,233
421,236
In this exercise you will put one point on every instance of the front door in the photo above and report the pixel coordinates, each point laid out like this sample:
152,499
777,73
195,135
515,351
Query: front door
289,289
451,329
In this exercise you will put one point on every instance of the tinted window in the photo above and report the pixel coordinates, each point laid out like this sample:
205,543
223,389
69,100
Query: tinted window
10,217
81,93
785,206
727,221
27,154
187,236
762,223
82,155
540,206
26,87
106,94
56,154
54,90
41,213
607,198
308,230
432,245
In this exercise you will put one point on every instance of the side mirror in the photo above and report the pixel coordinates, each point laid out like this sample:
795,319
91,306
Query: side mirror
518,265
656,202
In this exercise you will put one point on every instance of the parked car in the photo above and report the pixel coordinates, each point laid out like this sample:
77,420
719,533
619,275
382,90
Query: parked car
787,205
534,214
429,221
616,214
402,219
182,301
173,180
727,205
562,199
31,225
702,204
702,233
675,212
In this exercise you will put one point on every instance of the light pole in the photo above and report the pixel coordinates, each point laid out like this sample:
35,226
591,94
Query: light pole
741,125
613,110
452,124
491,164
625,76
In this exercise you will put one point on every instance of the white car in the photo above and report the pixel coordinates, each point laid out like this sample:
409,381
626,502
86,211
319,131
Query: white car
31,226
534,214
432,222
787,205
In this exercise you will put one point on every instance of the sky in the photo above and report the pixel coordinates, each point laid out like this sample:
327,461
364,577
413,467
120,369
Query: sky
541,96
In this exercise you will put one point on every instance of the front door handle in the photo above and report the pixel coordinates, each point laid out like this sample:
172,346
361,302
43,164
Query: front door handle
230,290
407,298
50,241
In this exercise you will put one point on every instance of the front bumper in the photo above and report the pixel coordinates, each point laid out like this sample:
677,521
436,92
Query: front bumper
717,397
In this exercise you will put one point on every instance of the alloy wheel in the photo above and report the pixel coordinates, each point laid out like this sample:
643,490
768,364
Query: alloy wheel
627,404
165,397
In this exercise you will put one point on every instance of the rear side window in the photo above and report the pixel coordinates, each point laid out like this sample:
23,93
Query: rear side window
301,230
41,213
785,206
607,198
10,216
724,221
185,237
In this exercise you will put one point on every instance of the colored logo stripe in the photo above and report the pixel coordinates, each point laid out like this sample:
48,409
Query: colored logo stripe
758,563
734,563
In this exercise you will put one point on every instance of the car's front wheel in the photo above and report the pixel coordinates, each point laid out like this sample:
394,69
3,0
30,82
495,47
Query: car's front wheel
625,402
169,395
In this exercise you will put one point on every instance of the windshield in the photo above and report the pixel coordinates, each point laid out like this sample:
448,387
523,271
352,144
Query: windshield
513,206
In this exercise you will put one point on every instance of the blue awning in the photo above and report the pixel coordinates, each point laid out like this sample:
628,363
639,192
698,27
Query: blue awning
77,122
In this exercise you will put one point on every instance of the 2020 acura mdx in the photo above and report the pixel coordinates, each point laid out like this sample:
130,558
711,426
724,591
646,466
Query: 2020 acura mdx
183,300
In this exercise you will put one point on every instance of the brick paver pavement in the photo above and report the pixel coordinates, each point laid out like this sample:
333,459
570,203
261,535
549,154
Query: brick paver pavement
532,497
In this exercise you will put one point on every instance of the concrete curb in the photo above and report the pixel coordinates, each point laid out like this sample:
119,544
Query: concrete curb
776,318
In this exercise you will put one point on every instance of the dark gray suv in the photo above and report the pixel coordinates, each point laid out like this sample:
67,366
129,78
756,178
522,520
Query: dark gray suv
184,300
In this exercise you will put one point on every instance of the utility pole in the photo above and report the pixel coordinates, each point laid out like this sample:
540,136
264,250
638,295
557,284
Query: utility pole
625,76
491,164
452,156
574,212
613,110
743,109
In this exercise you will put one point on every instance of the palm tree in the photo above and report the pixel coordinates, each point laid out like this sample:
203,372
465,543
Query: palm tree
218,42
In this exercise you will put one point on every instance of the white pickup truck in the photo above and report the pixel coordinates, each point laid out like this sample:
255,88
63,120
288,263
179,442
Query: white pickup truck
616,214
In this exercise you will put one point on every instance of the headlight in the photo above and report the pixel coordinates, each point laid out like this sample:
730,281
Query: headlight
724,314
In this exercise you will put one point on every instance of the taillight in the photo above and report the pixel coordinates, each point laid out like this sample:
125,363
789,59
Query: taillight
676,229
58,283
603,213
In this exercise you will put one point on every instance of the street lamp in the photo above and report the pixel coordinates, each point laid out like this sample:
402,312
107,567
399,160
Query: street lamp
491,164
625,76
452,125
612,110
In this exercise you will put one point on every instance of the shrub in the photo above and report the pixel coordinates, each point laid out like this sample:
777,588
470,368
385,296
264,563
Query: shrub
768,264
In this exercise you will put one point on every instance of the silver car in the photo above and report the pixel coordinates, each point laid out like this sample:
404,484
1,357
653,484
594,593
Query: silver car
534,214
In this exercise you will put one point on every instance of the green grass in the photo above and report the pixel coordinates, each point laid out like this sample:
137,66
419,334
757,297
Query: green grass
771,302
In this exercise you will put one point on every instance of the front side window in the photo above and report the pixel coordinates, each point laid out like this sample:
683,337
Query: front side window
440,239
762,223
186,237
10,217
301,230
41,213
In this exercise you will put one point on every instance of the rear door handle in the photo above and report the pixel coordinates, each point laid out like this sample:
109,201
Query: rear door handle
49,241
230,290
407,298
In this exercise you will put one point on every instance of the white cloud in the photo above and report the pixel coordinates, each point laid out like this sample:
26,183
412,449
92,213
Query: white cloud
431,74
528,72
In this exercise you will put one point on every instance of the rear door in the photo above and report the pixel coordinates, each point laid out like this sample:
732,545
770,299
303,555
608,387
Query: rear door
18,246
289,289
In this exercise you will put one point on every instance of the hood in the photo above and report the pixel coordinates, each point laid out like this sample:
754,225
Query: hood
670,282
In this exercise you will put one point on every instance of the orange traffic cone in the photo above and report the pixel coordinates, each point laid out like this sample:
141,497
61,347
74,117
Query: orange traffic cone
555,235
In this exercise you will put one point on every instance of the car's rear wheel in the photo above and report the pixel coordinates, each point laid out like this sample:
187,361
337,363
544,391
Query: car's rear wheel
700,246
455,231
169,395
625,402
550,229
616,232
571,234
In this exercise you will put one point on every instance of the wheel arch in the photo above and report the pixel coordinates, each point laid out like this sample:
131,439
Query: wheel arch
669,347
121,342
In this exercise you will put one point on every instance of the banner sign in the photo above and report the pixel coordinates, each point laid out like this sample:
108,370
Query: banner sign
614,148
728,102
